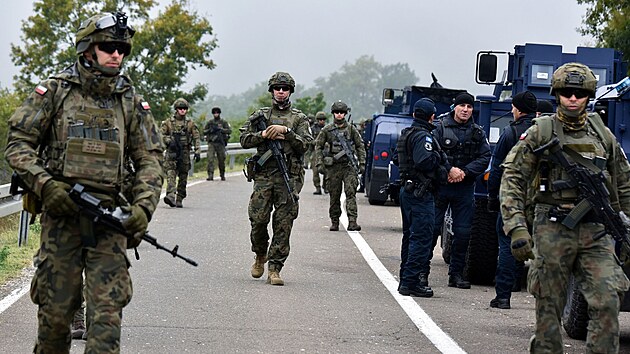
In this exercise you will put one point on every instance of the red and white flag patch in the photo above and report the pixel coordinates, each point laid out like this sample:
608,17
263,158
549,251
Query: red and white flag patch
523,136
41,90
145,105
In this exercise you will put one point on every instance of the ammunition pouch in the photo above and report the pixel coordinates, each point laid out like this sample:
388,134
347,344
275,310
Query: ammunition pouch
91,159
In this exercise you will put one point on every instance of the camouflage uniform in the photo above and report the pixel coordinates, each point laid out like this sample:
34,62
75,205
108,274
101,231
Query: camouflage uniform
181,128
315,130
269,192
79,127
217,132
339,172
561,252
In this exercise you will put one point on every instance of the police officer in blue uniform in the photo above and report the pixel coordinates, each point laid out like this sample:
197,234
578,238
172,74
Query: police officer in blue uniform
524,108
420,161
468,151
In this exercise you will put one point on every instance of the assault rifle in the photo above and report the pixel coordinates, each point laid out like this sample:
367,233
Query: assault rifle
591,187
91,207
176,148
346,151
276,150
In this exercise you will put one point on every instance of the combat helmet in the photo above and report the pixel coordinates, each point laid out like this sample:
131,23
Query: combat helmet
215,110
574,75
320,115
180,103
281,78
339,107
104,27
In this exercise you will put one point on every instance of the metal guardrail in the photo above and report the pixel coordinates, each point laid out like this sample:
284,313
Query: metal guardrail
11,205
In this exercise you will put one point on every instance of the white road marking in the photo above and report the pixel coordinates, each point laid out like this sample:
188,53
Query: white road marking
440,339
14,296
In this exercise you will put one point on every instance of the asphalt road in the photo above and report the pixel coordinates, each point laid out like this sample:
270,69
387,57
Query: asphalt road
340,293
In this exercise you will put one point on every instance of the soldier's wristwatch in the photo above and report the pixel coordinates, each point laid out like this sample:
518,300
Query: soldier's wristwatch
288,130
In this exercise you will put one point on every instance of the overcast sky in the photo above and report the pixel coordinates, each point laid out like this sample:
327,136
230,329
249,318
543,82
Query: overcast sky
311,39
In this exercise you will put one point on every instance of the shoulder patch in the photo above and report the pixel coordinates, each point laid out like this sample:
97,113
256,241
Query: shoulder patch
41,90
523,136
145,105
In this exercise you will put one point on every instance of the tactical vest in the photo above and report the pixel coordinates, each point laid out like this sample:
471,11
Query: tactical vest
286,118
315,130
589,143
460,153
183,128
335,146
405,156
87,135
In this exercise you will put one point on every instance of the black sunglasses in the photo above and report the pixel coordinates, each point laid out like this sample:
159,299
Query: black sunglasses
338,112
282,88
568,92
110,47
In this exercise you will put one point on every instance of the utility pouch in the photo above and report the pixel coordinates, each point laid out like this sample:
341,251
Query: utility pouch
328,161
31,203
250,168
92,159
86,227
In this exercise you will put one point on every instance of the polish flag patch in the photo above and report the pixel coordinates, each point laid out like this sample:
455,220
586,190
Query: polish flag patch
523,136
41,90
145,105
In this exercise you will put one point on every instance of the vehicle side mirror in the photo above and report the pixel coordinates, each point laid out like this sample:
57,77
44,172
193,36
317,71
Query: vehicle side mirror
486,68
388,97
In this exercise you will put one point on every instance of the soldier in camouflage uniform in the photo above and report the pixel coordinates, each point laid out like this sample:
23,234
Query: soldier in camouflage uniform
315,130
80,126
180,135
336,164
308,155
558,251
290,127
217,132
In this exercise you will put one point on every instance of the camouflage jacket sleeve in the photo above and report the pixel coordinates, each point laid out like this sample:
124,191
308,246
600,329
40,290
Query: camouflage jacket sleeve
519,168
196,137
165,129
227,129
144,146
300,136
250,136
320,144
358,145
622,177
27,129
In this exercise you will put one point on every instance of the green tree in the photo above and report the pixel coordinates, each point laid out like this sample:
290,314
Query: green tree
311,105
164,49
9,102
608,21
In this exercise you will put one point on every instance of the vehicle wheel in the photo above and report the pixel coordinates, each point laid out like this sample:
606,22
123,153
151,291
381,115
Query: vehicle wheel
575,315
483,248
446,236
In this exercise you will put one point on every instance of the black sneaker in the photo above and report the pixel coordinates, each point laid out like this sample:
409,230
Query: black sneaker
418,291
503,304
458,281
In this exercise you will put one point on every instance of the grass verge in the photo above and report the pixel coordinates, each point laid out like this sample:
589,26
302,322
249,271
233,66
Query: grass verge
13,258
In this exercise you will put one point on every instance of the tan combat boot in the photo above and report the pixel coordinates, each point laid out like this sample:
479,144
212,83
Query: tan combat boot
353,226
334,226
274,278
258,268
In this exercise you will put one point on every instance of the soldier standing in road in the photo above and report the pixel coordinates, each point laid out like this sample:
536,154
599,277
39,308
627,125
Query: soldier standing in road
337,164
217,132
80,126
560,251
315,130
290,128
469,154
180,136
308,155
423,166
508,272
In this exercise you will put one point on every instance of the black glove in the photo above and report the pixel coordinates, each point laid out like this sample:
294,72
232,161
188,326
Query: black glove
521,244
493,205
197,157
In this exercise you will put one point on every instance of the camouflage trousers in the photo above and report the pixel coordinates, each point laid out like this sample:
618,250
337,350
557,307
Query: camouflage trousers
58,282
270,193
217,150
316,179
560,253
341,175
176,180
